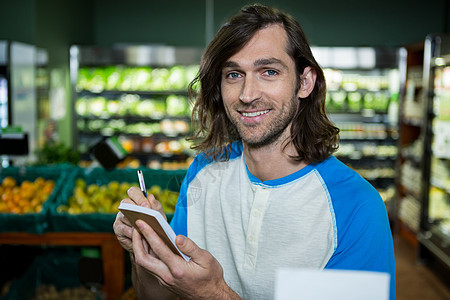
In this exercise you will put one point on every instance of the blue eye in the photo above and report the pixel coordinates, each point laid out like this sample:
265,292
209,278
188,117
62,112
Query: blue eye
233,75
271,72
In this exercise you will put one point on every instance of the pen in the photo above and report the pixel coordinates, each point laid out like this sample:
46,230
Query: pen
142,183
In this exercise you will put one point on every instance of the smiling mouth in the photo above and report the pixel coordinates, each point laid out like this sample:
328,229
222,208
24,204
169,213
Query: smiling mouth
255,113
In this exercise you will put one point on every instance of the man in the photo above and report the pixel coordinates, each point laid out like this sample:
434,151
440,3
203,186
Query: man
265,191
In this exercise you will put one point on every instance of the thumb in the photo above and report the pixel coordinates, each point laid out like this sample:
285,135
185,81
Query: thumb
188,247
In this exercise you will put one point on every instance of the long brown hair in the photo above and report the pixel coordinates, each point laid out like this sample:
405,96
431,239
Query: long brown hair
313,135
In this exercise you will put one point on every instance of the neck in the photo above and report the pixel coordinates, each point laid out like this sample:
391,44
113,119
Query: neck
272,161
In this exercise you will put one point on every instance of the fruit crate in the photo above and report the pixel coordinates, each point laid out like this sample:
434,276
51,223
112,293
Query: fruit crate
98,218
30,221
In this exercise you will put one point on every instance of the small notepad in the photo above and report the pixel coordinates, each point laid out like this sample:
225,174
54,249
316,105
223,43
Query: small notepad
154,218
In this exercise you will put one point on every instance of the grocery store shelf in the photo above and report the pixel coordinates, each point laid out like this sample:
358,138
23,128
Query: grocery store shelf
136,55
436,245
368,158
413,122
118,93
416,161
106,132
135,92
405,190
379,140
438,183
112,253
367,117
134,118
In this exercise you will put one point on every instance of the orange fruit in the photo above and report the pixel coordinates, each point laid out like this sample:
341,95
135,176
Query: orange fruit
16,190
35,202
16,198
9,181
39,181
26,193
48,188
7,197
15,210
26,184
38,208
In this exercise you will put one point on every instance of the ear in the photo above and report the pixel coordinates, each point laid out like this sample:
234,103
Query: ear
307,82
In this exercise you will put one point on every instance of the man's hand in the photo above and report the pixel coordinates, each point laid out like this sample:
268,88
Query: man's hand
122,227
200,278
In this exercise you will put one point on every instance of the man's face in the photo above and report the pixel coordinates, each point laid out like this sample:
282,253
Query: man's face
259,88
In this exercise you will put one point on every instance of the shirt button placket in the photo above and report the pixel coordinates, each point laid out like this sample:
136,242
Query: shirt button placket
254,228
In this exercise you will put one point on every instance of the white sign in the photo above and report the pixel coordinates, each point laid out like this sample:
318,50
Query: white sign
331,284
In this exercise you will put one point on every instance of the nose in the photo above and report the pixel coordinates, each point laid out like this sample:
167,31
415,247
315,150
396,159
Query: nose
250,90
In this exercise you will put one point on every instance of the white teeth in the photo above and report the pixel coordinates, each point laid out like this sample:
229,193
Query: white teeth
255,114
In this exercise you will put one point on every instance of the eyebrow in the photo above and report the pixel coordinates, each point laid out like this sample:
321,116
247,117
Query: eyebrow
257,63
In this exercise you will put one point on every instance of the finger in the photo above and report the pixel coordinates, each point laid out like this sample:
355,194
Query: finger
188,247
123,233
156,205
137,196
121,224
152,253
146,246
121,219
157,245
120,216
126,243
146,260
127,200
123,229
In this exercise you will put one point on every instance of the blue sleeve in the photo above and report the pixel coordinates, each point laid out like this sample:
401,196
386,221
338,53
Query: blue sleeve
364,238
179,219
366,244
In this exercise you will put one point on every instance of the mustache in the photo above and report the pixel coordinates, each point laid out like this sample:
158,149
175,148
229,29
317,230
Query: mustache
252,106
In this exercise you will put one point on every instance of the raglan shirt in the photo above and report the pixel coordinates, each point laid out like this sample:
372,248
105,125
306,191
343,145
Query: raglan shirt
324,216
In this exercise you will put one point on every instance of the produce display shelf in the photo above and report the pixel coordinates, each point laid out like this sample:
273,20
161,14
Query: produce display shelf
111,251
136,92
83,228
435,244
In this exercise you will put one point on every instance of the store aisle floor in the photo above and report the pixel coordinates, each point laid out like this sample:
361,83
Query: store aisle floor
414,280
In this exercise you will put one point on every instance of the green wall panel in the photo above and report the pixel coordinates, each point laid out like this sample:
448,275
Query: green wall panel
170,22
356,23
17,20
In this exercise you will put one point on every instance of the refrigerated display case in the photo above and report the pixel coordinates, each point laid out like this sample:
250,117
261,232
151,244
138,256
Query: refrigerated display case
363,88
18,106
434,234
139,95
410,148
4,108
